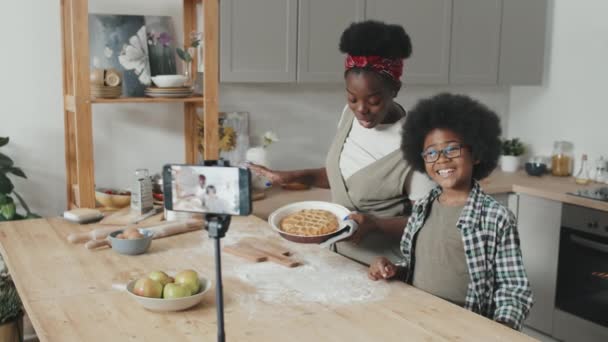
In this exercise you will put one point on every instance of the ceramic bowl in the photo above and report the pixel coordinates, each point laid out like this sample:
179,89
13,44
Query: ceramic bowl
133,246
176,304
535,169
168,81
112,201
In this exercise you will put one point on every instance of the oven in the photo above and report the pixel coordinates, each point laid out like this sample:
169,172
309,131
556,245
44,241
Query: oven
582,278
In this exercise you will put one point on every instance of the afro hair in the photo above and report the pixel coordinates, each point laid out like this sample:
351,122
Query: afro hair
375,38
476,124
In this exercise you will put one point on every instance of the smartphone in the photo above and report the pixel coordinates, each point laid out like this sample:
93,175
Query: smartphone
207,189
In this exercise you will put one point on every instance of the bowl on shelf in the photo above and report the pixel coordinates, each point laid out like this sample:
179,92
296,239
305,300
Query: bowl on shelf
131,246
535,168
113,199
169,81
174,304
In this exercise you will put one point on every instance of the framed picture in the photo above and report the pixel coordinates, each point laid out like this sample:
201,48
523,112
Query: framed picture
234,136
137,46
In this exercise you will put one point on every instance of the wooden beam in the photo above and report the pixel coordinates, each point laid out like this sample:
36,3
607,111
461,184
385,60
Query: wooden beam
69,104
83,116
211,78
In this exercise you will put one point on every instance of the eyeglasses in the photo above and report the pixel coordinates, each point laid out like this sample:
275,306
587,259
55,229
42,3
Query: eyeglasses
431,155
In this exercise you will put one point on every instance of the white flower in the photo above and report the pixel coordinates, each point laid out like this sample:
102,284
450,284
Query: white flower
269,138
108,52
96,62
135,56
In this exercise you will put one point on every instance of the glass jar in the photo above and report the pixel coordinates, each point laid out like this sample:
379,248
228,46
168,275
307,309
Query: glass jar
561,159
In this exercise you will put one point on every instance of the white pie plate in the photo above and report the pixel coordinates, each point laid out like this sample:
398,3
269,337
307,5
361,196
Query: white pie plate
275,219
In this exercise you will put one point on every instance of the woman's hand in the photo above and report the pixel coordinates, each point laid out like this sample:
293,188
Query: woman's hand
276,177
381,268
365,222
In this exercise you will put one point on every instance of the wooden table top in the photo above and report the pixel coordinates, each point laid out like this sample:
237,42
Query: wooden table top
74,294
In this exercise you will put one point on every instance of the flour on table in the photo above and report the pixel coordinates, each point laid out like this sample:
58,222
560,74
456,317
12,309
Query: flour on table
319,280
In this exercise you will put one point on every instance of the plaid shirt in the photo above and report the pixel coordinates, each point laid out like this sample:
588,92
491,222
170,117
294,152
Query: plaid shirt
498,287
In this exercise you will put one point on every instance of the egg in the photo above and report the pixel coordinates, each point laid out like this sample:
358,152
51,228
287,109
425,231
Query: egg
134,235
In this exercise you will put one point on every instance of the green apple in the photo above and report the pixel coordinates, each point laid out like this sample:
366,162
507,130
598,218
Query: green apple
147,287
190,279
160,277
173,290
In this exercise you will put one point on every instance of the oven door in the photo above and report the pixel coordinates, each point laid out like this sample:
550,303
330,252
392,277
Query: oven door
582,278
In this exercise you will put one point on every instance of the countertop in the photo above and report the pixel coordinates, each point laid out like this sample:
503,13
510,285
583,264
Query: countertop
75,294
546,186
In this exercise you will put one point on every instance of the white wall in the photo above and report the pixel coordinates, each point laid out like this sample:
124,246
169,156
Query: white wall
127,137
570,106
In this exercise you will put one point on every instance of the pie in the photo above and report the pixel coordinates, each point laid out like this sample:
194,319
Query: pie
309,222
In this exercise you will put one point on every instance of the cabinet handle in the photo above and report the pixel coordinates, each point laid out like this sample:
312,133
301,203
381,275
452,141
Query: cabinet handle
596,246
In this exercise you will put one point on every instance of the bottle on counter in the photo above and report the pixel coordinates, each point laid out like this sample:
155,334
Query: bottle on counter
582,176
561,159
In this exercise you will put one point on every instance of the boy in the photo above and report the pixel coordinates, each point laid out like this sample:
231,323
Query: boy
460,244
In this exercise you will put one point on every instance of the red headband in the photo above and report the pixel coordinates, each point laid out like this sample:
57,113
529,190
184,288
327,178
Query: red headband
392,67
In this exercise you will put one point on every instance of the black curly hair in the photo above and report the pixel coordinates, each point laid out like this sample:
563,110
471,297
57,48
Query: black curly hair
476,124
376,38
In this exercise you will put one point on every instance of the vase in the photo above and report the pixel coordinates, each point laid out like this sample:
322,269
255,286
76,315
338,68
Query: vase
12,331
258,155
190,76
509,163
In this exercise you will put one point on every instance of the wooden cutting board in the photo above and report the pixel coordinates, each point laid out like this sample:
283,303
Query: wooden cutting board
258,250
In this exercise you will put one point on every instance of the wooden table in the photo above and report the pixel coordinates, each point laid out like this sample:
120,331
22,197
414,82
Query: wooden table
73,294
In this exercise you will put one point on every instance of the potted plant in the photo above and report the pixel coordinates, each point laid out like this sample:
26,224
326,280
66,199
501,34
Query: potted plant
11,310
512,149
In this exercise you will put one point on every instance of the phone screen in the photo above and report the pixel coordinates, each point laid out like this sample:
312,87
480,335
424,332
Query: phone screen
207,189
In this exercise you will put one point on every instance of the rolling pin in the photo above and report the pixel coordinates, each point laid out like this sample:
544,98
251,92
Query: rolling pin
160,231
94,234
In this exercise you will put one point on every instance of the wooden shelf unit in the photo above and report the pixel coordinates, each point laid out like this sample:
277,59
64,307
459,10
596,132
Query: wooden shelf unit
80,175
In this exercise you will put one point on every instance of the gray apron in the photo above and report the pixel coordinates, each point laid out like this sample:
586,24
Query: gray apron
376,189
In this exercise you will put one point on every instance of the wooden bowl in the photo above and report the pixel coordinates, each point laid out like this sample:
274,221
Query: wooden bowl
112,201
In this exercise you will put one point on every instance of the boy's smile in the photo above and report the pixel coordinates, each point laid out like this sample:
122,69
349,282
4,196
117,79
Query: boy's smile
448,161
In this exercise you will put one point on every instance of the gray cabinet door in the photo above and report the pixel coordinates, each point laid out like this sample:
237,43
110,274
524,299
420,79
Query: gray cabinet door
522,40
258,40
475,43
428,23
320,25
539,222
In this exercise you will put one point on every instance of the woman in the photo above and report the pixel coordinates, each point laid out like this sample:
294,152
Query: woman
365,169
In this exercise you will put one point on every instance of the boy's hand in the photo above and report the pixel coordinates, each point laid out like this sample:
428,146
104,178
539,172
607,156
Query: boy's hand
365,224
381,268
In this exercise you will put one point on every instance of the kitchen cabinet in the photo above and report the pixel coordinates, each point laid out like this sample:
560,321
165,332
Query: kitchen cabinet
475,43
522,42
428,24
258,40
320,25
539,222
483,42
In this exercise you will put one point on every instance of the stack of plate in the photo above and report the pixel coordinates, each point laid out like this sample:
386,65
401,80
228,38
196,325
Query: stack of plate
107,92
168,92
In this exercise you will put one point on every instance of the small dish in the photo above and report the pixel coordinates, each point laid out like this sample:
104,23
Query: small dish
175,304
166,81
535,169
131,246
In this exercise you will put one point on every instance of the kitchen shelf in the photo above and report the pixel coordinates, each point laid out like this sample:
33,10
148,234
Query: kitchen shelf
78,121
195,99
